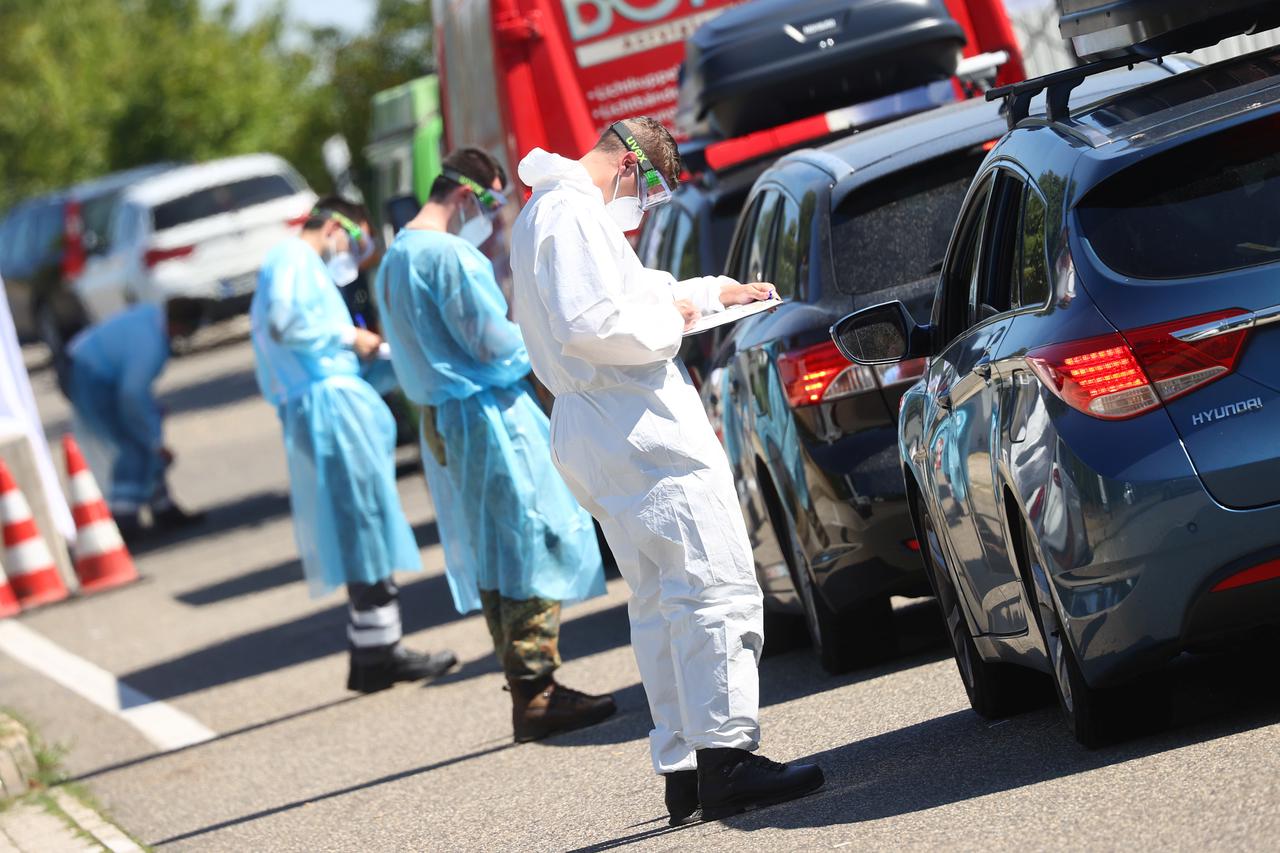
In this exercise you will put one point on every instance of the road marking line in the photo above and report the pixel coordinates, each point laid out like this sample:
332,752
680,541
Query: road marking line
161,723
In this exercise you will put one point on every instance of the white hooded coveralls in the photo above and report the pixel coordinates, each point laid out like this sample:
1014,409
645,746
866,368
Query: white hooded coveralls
631,439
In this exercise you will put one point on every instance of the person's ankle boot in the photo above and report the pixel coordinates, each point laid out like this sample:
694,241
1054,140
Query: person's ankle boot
543,707
682,797
173,517
130,526
734,780
400,665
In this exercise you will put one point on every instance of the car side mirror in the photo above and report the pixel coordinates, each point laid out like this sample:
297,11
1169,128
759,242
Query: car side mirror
882,334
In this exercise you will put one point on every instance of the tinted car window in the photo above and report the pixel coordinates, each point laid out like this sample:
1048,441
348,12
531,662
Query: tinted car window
95,216
762,236
45,234
895,231
221,199
1035,257
961,274
684,260
1205,207
786,267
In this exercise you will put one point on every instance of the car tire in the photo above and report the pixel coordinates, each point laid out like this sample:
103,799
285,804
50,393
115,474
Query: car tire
1096,716
995,690
846,640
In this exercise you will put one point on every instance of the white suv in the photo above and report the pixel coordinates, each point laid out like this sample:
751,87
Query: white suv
198,231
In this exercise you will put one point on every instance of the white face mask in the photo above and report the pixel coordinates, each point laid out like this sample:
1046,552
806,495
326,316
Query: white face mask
628,212
343,267
476,228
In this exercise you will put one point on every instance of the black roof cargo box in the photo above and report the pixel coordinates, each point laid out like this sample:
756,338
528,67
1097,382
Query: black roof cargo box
1107,29
768,62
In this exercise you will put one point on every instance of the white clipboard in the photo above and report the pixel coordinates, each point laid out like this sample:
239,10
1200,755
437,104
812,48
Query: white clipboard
732,314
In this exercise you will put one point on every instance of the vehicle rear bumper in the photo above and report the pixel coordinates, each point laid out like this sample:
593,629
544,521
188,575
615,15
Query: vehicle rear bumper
1128,614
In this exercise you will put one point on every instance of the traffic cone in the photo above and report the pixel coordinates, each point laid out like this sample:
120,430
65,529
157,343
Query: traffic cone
32,572
102,560
8,599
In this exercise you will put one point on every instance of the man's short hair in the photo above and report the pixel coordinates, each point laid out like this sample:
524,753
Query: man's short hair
476,164
357,213
654,139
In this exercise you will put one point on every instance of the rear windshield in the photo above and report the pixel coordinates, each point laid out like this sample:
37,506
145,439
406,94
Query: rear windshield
895,232
222,199
1207,207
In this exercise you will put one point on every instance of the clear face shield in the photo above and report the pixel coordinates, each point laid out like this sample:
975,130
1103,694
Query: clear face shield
489,202
344,266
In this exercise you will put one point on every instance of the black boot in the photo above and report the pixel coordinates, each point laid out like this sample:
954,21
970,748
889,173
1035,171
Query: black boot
400,665
734,780
173,517
130,526
682,797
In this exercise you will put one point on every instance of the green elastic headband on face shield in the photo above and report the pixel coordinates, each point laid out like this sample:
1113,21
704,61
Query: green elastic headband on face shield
363,245
490,199
654,189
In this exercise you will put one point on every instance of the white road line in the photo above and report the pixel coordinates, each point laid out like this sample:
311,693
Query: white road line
160,723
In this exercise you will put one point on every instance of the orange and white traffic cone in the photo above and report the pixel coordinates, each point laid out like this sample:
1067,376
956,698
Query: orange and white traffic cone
102,560
9,605
32,571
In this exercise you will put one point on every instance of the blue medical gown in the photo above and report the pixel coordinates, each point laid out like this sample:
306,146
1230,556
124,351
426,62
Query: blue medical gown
339,436
507,521
114,365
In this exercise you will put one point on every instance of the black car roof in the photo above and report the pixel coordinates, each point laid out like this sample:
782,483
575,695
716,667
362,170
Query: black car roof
931,134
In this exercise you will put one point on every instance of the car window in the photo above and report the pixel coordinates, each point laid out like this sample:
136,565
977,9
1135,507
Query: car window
762,237
1206,207
787,258
684,260
735,265
894,232
8,228
1035,255
45,237
1002,254
95,218
225,198
960,275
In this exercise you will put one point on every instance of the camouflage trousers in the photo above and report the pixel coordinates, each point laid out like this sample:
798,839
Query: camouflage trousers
526,634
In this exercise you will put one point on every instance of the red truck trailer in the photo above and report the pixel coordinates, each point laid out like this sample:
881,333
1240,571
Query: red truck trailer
519,74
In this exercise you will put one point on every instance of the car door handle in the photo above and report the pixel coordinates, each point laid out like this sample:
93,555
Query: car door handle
983,370
944,401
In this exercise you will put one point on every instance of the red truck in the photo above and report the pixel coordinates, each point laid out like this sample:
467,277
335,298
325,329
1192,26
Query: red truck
519,74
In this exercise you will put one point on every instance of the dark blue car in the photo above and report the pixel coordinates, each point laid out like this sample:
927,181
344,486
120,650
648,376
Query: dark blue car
1092,455
812,439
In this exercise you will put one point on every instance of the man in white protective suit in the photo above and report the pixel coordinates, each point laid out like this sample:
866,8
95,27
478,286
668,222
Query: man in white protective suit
631,439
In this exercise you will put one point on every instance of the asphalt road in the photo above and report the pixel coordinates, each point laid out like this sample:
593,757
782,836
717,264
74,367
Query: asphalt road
222,629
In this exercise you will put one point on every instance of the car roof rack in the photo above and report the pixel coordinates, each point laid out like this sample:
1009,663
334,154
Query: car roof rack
1058,87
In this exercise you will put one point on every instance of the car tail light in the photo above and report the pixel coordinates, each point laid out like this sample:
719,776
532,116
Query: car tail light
156,256
1126,374
73,253
821,373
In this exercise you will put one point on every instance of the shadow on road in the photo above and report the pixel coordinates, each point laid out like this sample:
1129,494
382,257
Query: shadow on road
372,783
243,730
961,756
212,393
424,604
251,511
